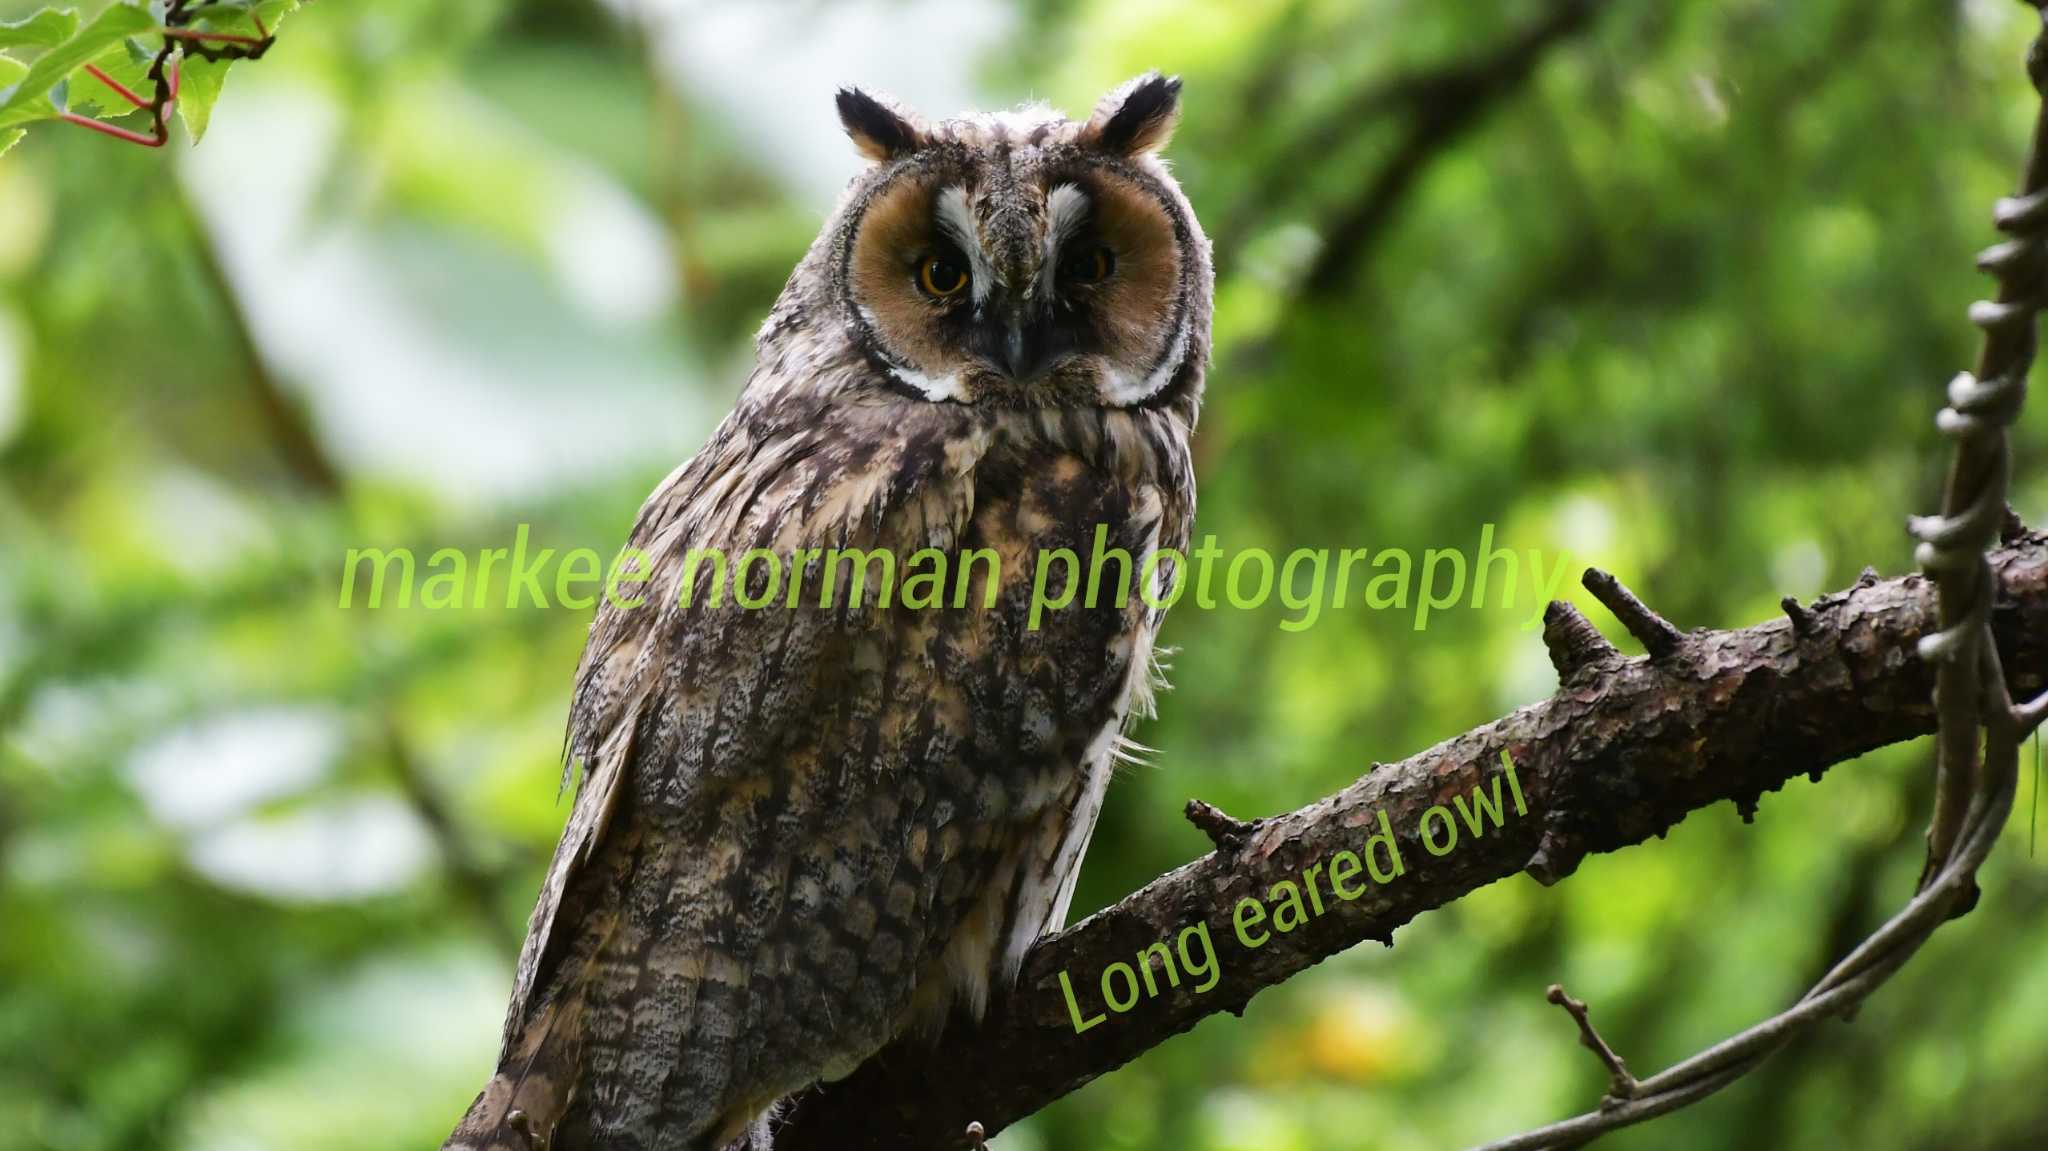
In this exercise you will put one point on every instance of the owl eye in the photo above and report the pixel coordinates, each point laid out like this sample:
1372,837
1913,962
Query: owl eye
942,278
1088,267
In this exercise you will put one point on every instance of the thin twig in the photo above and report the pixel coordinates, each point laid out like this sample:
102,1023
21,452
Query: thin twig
1620,1084
1226,832
1838,994
2011,527
1651,630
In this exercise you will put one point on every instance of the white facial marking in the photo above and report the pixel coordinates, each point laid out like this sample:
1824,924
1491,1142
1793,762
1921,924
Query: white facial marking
1121,390
1066,209
937,388
956,219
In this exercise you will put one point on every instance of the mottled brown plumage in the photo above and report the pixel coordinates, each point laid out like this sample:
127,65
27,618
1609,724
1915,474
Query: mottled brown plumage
801,830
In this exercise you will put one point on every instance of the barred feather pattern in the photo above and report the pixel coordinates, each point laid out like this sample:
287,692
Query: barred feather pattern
801,830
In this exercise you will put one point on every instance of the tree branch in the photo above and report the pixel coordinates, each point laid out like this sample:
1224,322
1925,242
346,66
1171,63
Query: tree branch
1621,753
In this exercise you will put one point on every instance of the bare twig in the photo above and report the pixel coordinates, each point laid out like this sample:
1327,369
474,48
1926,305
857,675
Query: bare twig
1651,630
1226,832
1845,987
2011,527
1620,1084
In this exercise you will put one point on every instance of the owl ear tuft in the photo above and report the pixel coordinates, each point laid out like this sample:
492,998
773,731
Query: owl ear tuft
879,129
1136,118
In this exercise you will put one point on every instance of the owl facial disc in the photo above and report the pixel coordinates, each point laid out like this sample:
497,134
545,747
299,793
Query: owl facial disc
1023,259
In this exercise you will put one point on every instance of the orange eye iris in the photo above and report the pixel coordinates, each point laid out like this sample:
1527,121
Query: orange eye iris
942,278
1091,267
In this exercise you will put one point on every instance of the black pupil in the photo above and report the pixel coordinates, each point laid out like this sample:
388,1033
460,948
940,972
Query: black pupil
945,275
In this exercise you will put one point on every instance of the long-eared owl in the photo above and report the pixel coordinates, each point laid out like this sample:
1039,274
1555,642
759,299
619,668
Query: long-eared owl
803,828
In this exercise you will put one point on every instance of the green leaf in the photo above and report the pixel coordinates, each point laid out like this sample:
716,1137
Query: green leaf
46,29
11,73
198,90
9,137
29,99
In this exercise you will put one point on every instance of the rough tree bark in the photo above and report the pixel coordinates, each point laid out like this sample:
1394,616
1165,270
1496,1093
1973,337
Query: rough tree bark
1626,748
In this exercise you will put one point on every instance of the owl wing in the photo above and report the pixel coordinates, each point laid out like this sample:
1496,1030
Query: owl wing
799,827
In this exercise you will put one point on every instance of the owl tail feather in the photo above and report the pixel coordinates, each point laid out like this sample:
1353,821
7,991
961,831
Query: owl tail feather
524,1103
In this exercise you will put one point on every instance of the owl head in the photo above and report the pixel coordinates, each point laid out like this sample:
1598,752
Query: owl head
1022,258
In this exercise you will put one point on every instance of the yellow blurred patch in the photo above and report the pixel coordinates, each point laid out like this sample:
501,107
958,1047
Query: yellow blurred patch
1362,1034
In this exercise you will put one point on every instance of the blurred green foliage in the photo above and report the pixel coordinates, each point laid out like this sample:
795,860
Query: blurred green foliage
1680,302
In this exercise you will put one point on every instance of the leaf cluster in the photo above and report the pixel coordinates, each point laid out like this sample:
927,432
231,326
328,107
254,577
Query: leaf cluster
58,65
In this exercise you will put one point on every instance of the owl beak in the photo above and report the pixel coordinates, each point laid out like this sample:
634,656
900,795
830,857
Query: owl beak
1016,352
1016,338
1025,345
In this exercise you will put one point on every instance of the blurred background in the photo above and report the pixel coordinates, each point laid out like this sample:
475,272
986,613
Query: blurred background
1672,286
